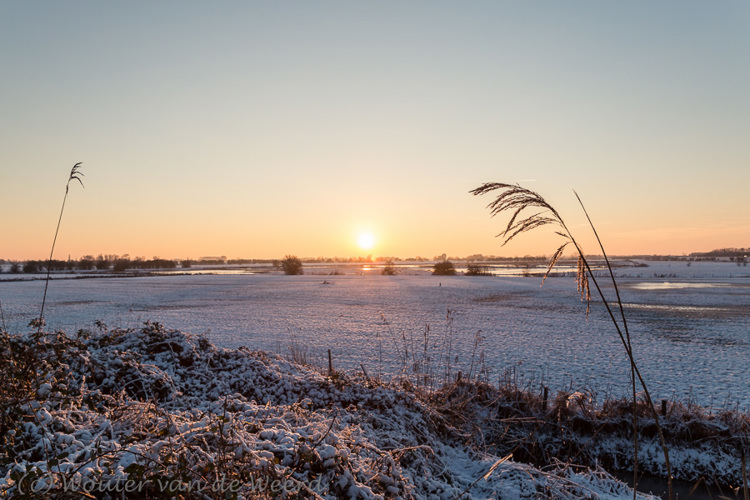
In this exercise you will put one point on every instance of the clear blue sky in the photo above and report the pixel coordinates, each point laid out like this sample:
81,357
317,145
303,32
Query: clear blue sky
255,129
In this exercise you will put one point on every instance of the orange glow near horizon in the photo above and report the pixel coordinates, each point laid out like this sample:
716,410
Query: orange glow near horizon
378,154
472,232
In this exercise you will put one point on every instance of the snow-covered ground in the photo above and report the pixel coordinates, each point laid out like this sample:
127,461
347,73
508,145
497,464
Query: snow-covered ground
690,324
169,414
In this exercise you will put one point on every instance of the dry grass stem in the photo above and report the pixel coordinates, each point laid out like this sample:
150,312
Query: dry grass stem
75,175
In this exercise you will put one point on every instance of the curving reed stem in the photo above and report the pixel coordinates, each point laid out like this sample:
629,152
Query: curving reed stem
75,175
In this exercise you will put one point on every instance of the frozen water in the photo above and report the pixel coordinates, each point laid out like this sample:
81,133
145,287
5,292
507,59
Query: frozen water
690,324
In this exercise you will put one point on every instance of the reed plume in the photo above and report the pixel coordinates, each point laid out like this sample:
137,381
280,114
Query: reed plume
518,201
75,175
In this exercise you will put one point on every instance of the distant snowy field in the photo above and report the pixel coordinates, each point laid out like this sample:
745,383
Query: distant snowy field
690,324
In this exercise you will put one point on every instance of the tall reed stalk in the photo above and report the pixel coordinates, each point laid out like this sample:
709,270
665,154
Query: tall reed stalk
75,174
517,200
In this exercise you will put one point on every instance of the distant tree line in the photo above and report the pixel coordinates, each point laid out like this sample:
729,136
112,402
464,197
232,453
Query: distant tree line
732,253
122,265
293,265
212,261
107,262
89,263
250,261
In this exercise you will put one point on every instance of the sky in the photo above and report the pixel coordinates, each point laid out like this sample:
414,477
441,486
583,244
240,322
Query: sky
260,129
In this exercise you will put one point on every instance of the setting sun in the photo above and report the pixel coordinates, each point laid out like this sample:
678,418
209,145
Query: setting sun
366,241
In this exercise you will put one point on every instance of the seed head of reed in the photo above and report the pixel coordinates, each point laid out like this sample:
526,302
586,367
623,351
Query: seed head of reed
529,210
75,174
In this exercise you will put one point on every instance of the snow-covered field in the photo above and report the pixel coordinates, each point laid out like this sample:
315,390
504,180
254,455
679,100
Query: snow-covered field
690,324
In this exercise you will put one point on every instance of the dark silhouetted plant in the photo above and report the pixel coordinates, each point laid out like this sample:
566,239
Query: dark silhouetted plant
75,175
444,268
517,201
86,264
291,265
389,269
121,265
31,266
102,264
477,270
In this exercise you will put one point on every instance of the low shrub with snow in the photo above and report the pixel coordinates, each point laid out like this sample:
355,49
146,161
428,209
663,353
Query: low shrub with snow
705,446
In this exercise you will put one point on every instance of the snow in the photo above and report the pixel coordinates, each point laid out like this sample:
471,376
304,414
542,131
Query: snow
689,323
180,412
